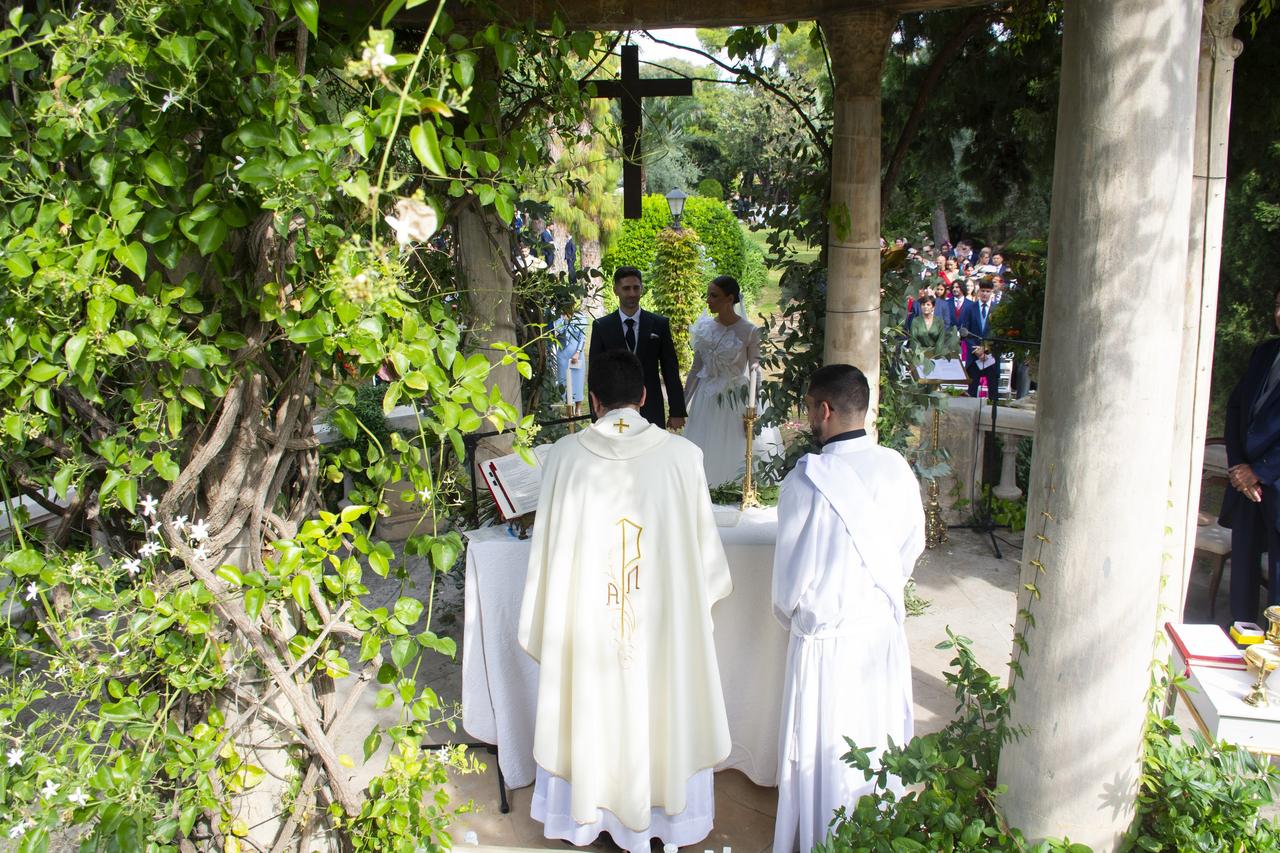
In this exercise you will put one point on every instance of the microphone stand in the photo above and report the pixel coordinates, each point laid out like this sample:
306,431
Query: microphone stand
985,521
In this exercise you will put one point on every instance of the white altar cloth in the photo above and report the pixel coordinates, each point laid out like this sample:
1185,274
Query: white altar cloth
500,681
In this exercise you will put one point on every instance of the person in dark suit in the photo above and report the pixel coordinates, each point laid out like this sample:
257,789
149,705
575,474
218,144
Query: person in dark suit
649,337
1250,508
975,326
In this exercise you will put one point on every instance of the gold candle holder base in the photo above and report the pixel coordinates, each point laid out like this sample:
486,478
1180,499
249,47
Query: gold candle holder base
935,529
749,496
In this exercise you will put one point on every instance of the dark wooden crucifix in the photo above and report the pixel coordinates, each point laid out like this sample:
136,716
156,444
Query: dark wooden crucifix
631,89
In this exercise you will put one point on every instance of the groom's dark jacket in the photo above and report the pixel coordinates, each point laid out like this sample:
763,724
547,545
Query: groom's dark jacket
657,354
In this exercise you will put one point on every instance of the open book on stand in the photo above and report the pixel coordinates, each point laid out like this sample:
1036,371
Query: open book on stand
515,483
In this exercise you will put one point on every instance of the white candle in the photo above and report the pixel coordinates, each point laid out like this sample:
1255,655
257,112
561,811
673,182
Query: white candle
751,389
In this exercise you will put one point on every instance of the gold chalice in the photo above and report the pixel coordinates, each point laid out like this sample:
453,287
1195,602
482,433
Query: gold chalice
1273,624
1262,660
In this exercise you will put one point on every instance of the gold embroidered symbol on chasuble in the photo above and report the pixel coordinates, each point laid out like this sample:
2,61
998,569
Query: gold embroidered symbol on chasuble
623,585
621,425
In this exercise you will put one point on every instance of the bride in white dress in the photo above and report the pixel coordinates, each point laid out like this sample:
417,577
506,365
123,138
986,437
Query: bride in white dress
726,365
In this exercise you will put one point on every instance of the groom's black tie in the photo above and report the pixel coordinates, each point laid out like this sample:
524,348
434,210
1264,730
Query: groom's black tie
631,334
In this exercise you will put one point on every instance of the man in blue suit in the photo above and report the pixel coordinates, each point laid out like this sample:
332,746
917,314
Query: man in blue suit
1250,508
975,326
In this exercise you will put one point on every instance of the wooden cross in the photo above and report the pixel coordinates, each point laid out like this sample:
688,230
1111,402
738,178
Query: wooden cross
631,90
620,425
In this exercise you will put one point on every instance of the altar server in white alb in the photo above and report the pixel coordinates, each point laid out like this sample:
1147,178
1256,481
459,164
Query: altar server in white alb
850,527
626,563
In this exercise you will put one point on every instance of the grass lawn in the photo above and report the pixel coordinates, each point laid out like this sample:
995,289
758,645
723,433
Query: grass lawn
771,293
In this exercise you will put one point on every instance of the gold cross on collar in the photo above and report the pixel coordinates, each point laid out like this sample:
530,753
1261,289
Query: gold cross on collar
621,425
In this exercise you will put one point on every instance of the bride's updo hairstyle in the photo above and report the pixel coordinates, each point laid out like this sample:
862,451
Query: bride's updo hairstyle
728,285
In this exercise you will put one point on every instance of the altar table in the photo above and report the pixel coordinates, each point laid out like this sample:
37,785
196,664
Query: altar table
500,680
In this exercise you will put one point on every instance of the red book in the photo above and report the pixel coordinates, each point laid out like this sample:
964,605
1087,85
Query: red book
1203,645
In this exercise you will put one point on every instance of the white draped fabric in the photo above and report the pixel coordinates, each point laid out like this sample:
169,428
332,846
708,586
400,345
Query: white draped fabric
552,806
850,527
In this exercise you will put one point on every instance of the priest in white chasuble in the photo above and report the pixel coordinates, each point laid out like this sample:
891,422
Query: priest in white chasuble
626,563
850,527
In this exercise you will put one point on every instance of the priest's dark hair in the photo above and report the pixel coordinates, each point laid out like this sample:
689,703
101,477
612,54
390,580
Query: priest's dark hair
626,272
728,285
843,387
616,378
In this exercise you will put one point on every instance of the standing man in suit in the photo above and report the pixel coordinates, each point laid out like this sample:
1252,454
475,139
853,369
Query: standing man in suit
648,336
975,325
1250,508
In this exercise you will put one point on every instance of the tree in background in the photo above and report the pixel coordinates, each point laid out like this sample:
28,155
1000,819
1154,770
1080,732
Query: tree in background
1251,233
970,107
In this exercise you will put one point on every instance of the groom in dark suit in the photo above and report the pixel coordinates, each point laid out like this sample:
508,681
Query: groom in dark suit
649,337
1250,508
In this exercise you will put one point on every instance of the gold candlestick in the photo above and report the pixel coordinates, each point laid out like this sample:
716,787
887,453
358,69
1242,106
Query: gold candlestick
749,496
935,529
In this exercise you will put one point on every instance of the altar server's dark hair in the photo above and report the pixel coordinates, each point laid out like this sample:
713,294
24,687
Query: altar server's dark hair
843,386
616,378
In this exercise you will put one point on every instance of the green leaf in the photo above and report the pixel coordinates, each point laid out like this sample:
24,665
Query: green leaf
506,53
426,147
345,422
257,134
164,465
300,589
308,11
133,256
407,610
230,574
254,600
211,235
159,169
127,493
74,349
24,563
42,371
61,481
403,651
192,395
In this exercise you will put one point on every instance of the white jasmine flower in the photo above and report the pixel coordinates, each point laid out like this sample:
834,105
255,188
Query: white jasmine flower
425,494
199,531
149,505
15,756
200,554
17,830
180,523
32,591
60,672
149,549
169,100
78,797
378,58
50,789
132,566
8,323
414,221
239,163
119,653
154,530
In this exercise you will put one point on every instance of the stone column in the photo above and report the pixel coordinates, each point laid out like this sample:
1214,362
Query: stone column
857,42
1117,239
1218,53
